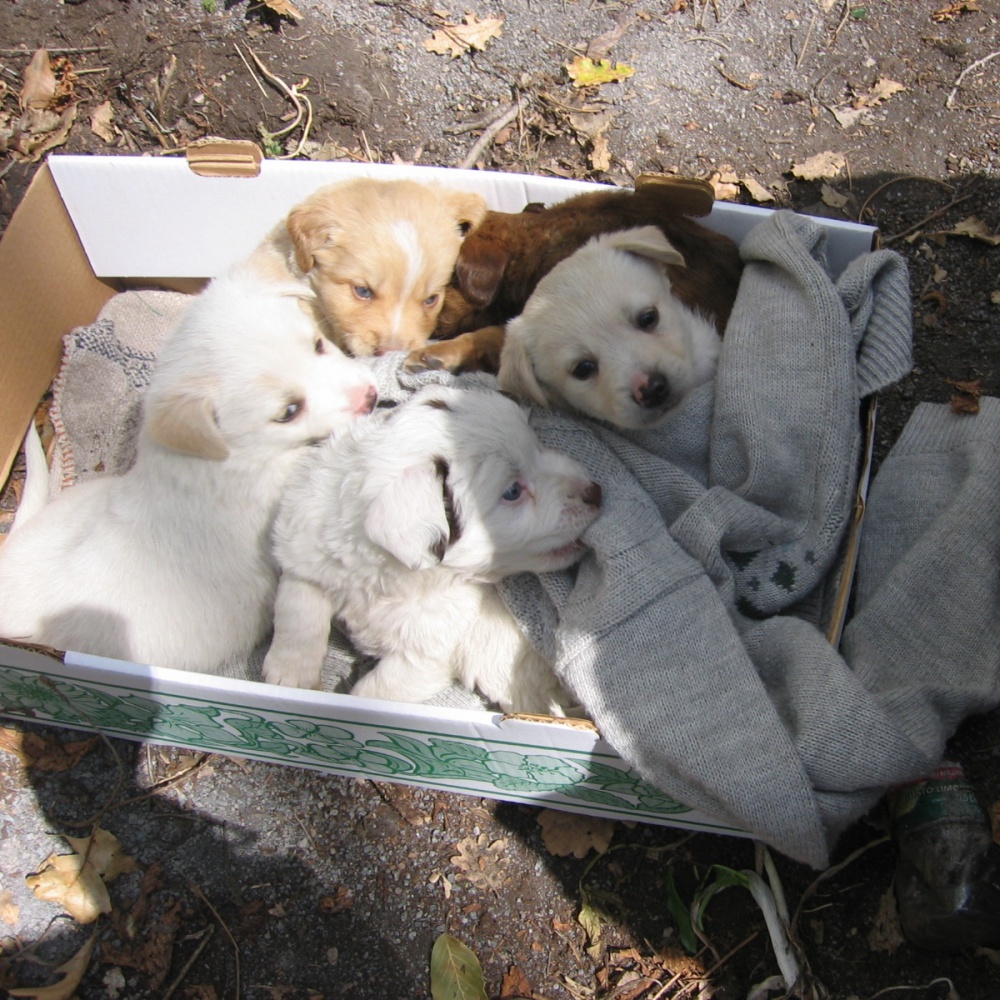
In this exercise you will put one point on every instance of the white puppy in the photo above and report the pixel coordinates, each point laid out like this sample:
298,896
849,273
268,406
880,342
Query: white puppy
170,563
602,334
400,528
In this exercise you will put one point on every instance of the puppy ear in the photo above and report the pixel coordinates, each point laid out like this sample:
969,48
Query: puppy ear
310,227
469,208
480,268
648,242
517,373
185,422
409,518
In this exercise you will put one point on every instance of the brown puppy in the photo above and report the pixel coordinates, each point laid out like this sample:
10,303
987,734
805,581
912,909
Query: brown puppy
504,258
378,255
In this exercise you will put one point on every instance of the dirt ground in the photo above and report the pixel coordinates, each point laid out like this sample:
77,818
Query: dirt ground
264,882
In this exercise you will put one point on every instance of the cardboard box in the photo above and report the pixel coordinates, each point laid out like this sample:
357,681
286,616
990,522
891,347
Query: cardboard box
91,226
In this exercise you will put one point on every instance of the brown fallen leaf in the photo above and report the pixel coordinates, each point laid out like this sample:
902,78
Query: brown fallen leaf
284,9
601,46
565,833
966,399
101,123
756,190
726,184
38,131
600,154
950,11
39,82
995,821
481,862
515,984
833,198
972,227
457,39
822,165
77,882
44,753
71,972
10,912
886,933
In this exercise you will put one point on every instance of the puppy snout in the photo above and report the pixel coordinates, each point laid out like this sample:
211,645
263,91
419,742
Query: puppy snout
365,399
652,390
592,495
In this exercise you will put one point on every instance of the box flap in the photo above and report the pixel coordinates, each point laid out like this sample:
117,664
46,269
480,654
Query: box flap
47,288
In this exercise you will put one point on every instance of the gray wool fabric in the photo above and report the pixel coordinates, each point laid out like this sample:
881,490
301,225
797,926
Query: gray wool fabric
693,630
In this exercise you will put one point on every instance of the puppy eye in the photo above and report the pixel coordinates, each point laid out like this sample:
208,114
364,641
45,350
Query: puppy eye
290,412
320,346
363,292
648,319
513,492
584,370
431,300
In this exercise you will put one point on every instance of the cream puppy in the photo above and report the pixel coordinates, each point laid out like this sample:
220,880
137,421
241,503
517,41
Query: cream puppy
603,335
400,529
170,563
378,254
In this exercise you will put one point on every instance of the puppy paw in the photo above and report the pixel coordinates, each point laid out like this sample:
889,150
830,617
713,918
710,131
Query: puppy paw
422,360
290,672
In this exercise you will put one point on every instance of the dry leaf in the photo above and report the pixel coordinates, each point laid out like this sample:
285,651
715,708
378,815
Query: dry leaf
479,862
826,164
515,984
974,228
995,821
756,190
586,72
457,39
599,47
71,972
600,155
10,912
950,11
566,833
995,297
886,933
44,753
455,971
284,9
74,881
39,82
833,198
883,89
36,132
726,184
966,399
101,124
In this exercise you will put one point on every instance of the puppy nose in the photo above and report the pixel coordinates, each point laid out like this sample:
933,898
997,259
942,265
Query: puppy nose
366,400
652,392
592,495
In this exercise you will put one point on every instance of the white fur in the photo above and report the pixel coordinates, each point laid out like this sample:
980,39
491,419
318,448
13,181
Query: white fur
170,563
610,305
365,534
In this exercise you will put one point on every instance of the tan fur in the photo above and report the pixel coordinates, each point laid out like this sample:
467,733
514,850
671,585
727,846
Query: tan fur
378,255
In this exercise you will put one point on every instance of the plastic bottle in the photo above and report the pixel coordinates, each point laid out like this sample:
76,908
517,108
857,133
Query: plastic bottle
947,878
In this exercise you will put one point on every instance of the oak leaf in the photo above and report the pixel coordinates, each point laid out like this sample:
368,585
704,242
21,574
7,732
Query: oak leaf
76,881
826,164
586,72
71,972
565,833
457,39
479,862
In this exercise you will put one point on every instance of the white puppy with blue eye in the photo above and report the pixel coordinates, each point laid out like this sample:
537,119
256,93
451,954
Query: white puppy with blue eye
170,563
603,334
400,529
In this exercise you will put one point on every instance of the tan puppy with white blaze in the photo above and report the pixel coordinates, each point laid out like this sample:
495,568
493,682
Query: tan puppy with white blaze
604,335
170,563
400,529
378,254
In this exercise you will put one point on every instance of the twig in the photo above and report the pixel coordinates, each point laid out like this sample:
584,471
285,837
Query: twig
490,133
897,180
297,98
968,69
55,52
926,986
712,968
179,978
215,913
805,42
173,779
843,21
829,872
937,213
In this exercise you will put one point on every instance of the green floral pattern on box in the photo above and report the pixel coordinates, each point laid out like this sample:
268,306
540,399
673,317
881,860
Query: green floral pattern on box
469,766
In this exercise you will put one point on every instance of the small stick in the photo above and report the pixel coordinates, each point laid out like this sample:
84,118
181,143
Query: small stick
968,69
179,978
896,180
490,133
805,42
215,913
55,52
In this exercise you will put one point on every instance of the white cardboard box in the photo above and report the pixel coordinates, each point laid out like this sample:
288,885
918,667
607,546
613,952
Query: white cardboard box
90,226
